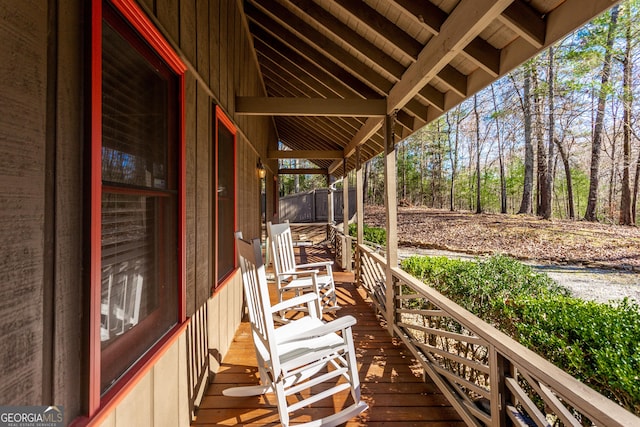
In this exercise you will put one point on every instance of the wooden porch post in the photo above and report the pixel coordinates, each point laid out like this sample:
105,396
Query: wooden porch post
359,214
391,205
329,208
346,249
359,197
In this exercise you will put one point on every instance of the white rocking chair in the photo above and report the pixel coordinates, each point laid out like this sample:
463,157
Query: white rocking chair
316,277
300,355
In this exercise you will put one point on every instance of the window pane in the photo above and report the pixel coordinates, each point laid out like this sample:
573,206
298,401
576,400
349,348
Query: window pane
139,276
226,202
139,288
134,116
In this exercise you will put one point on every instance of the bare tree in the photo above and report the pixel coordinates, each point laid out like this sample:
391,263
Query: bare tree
636,182
590,214
526,205
457,116
503,183
478,178
543,172
567,173
627,100
548,193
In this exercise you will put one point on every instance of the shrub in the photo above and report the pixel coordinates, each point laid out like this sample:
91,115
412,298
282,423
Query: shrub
373,235
597,343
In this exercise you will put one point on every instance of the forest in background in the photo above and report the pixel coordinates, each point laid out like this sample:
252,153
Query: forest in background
557,138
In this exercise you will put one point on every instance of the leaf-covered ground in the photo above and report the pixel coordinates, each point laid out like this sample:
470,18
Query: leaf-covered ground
523,237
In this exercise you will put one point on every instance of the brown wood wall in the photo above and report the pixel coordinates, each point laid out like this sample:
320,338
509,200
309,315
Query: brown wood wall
42,141
23,221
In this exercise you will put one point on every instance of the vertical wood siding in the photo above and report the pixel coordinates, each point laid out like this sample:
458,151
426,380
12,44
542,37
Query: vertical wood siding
68,284
203,191
191,199
23,73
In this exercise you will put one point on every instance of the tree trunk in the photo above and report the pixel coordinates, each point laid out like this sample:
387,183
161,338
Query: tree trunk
423,170
503,182
590,214
296,178
614,169
526,205
365,180
543,171
403,166
547,205
477,116
567,173
636,184
627,95
453,156
438,168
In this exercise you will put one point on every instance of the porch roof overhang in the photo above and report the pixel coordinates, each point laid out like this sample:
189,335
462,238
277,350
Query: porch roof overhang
333,69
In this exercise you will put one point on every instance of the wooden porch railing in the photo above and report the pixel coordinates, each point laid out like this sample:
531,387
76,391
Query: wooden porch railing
489,378
342,244
197,358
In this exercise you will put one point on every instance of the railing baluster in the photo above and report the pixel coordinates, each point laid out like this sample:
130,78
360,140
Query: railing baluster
496,381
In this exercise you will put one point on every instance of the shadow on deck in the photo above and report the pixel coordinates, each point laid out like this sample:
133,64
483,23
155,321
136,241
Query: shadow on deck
392,380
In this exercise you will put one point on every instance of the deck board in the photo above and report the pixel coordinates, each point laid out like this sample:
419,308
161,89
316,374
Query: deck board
391,379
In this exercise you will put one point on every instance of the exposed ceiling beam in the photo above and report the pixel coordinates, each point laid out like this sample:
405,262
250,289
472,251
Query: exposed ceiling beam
382,26
329,129
425,12
300,52
334,167
525,22
292,30
433,96
315,171
519,16
568,16
366,131
484,55
305,154
260,106
463,25
271,20
331,76
348,35
314,133
409,122
454,79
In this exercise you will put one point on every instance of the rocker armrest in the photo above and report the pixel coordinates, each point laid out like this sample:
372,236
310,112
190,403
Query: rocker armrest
339,324
315,264
297,272
294,302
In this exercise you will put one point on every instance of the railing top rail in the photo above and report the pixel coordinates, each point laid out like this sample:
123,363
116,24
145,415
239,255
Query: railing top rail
372,253
597,407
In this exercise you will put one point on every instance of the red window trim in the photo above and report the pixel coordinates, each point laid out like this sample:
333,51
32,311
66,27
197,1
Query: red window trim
136,17
221,118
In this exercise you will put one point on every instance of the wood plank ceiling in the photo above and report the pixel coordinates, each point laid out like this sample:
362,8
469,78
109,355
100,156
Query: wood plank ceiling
332,69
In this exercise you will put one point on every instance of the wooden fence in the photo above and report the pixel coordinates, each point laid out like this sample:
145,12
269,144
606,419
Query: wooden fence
312,206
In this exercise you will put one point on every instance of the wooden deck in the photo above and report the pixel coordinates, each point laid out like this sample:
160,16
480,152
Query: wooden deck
392,382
